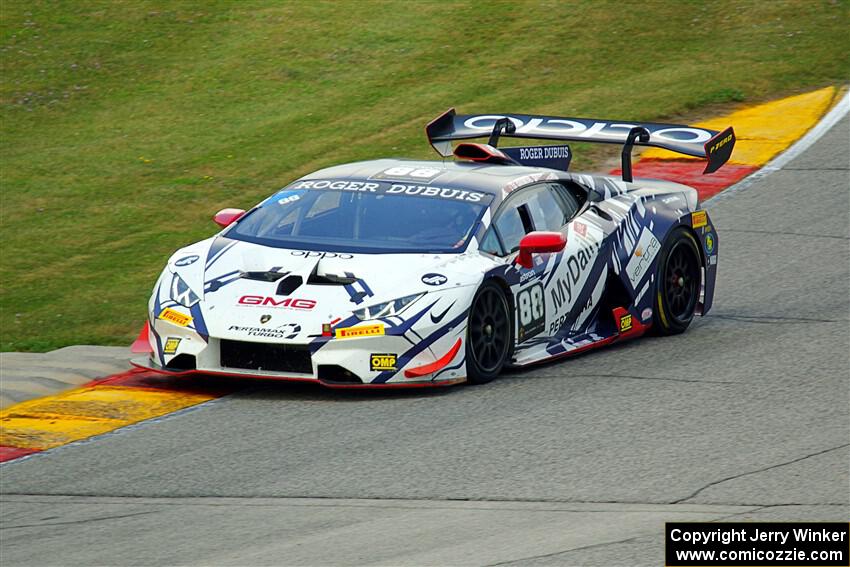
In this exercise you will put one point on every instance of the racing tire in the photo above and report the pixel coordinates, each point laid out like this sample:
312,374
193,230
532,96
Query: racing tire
488,334
679,277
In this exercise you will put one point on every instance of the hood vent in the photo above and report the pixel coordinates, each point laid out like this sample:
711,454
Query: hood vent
289,284
329,279
271,276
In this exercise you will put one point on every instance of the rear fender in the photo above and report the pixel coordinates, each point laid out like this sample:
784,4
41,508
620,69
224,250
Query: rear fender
700,225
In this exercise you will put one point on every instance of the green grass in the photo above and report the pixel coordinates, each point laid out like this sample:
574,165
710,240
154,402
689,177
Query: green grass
126,125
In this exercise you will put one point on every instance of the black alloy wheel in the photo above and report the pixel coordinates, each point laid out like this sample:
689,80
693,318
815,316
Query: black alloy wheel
679,277
488,336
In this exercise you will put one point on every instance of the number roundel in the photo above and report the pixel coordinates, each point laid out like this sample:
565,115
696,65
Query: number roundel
421,172
531,305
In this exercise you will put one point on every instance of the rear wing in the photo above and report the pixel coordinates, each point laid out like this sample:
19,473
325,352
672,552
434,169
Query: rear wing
716,147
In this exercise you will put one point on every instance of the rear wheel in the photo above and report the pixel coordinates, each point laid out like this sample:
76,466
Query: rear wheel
488,334
679,277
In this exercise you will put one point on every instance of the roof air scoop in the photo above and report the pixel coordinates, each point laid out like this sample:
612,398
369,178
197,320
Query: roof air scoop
483,153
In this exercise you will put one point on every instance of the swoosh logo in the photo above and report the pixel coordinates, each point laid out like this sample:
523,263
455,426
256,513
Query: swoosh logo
440,317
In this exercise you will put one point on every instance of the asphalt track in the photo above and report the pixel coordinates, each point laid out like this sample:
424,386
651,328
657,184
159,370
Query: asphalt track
744,417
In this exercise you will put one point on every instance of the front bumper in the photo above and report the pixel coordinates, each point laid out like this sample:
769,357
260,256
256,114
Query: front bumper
147,363
387,361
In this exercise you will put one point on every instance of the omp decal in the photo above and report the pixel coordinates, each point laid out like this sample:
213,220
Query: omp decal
647,248
382,361
699,219
531,312
175,317
420,346
171,344
625,323
358,332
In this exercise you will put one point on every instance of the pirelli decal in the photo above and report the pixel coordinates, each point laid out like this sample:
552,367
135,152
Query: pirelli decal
175,317
699,219
358,332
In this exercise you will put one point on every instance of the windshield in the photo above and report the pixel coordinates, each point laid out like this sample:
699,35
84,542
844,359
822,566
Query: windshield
357,221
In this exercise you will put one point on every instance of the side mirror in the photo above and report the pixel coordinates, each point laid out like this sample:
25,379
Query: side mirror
226,217
539,243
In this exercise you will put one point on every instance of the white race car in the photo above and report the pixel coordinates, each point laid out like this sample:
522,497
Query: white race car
393,272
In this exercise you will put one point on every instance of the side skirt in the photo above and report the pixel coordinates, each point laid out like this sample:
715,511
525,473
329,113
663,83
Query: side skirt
628,327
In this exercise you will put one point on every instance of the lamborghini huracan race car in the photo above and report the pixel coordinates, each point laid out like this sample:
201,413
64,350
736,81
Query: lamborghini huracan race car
421,273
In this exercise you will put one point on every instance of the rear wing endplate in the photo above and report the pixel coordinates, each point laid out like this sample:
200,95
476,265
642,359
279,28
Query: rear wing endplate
713,146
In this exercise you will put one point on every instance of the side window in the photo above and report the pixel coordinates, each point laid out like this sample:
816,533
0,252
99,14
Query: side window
515,218
571,197
490,243
547,206
511,226
547,209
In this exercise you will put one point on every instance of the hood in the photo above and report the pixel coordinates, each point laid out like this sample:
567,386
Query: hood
240,283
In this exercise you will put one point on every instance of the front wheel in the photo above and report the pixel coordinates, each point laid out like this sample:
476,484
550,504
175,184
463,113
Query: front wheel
488,334
678,279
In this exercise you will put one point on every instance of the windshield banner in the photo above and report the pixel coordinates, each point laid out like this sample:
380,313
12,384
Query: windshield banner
404,189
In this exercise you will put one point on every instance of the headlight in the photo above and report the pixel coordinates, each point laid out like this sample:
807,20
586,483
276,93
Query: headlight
181,293
387,309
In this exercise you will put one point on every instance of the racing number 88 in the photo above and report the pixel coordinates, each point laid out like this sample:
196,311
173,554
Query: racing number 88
531,305
423,172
